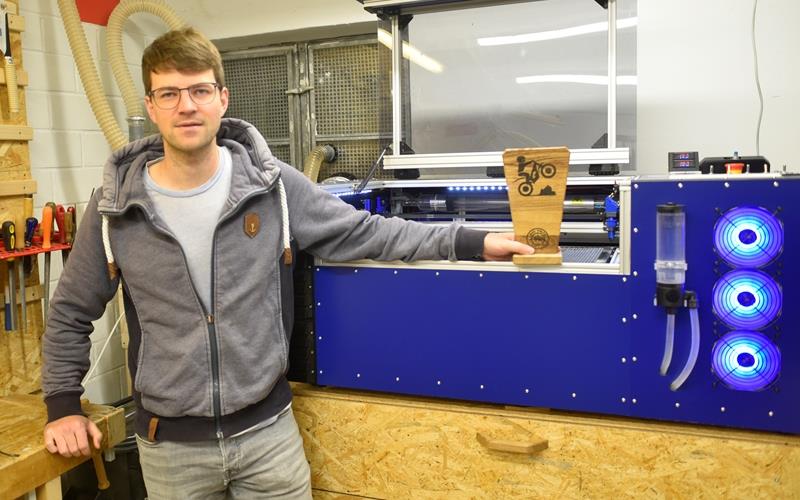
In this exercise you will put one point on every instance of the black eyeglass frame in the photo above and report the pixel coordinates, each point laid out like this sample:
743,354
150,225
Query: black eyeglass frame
179,90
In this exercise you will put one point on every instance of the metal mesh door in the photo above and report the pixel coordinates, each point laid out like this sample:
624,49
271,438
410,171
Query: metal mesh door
351,104
258,85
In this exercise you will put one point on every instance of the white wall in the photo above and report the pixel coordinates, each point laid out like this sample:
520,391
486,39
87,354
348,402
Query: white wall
68,150
697,87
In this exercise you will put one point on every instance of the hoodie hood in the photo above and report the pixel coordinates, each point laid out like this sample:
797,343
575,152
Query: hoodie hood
253,169
122,173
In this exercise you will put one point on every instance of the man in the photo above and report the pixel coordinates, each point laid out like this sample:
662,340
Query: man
198,223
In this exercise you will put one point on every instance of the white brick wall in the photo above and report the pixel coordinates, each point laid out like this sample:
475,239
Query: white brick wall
68,149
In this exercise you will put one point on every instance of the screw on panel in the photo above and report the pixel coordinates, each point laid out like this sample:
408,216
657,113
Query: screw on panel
527,391
480,275
775,184
437,273
574,278
680,185
727,184
677,405
319,304
438,382
397,379
636,273
526,276
636,230
320,372
635,186
635,316
319,338
624,279
395,272
633,400
770,413
624,360
358,375
633,359
574,395
722,409
624,319
317,269
622,399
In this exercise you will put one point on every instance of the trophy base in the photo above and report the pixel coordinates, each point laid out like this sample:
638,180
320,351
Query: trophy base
539,259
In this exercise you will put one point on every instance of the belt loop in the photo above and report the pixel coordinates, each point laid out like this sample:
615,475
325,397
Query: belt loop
152,428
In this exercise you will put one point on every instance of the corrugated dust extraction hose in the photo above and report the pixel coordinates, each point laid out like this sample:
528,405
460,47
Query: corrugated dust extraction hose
316,157
88,73
125,9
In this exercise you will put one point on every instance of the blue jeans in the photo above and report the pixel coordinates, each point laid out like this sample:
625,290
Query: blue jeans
265,463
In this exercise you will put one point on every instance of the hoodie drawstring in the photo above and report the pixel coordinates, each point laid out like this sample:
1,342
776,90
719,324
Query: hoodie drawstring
287,249
113,270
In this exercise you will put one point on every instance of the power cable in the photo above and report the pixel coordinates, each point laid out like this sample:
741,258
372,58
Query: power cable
758,80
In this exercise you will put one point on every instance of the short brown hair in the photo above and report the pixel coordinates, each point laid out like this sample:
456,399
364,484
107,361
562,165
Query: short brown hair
185,49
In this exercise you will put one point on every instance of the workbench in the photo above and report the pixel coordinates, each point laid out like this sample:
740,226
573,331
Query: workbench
25,463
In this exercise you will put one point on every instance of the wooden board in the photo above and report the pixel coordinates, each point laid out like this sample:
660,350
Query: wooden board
396,447
20,354
25,464
537,183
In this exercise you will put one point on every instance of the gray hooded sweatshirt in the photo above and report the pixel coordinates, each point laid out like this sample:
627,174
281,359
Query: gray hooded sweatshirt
203,374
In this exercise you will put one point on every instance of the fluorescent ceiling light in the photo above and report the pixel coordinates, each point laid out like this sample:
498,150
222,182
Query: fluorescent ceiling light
587,79
584,29
412,53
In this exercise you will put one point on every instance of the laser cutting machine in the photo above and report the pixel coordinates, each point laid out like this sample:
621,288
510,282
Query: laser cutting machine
595,334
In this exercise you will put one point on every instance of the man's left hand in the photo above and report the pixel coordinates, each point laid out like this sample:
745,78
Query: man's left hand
502,246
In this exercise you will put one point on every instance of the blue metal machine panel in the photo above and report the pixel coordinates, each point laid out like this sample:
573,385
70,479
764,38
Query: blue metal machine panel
703,399
574,342
513,338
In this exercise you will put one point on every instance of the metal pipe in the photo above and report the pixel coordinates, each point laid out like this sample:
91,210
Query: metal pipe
397,114
135,128
612,74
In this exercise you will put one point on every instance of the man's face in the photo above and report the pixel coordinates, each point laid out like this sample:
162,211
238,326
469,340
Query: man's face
189,127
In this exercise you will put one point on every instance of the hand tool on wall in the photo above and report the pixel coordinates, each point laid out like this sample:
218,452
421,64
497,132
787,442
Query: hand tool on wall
26,268
7,310
9,242
10,68
69,232
58,215
47,232
30,228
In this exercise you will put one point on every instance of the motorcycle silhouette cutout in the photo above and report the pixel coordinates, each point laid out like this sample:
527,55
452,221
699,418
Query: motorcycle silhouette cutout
529,172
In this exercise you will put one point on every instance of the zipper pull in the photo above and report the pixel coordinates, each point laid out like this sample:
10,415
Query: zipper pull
210,319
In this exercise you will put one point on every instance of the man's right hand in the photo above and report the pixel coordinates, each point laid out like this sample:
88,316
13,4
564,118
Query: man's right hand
68,436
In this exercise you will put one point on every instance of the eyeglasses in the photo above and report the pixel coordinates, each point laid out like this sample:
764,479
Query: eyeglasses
169,97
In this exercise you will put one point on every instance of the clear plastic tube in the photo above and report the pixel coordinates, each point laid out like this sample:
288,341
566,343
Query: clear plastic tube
668,344
693,352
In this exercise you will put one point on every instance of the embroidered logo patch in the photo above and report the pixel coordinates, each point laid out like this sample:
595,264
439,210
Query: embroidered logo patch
252,224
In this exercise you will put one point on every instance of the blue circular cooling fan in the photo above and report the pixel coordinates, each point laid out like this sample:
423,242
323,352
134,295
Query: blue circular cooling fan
747,299
748,237
746,361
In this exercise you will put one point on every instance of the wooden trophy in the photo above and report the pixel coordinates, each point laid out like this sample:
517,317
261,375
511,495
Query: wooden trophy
537,182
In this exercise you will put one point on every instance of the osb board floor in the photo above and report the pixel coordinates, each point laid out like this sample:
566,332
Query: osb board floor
387,447
24,461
